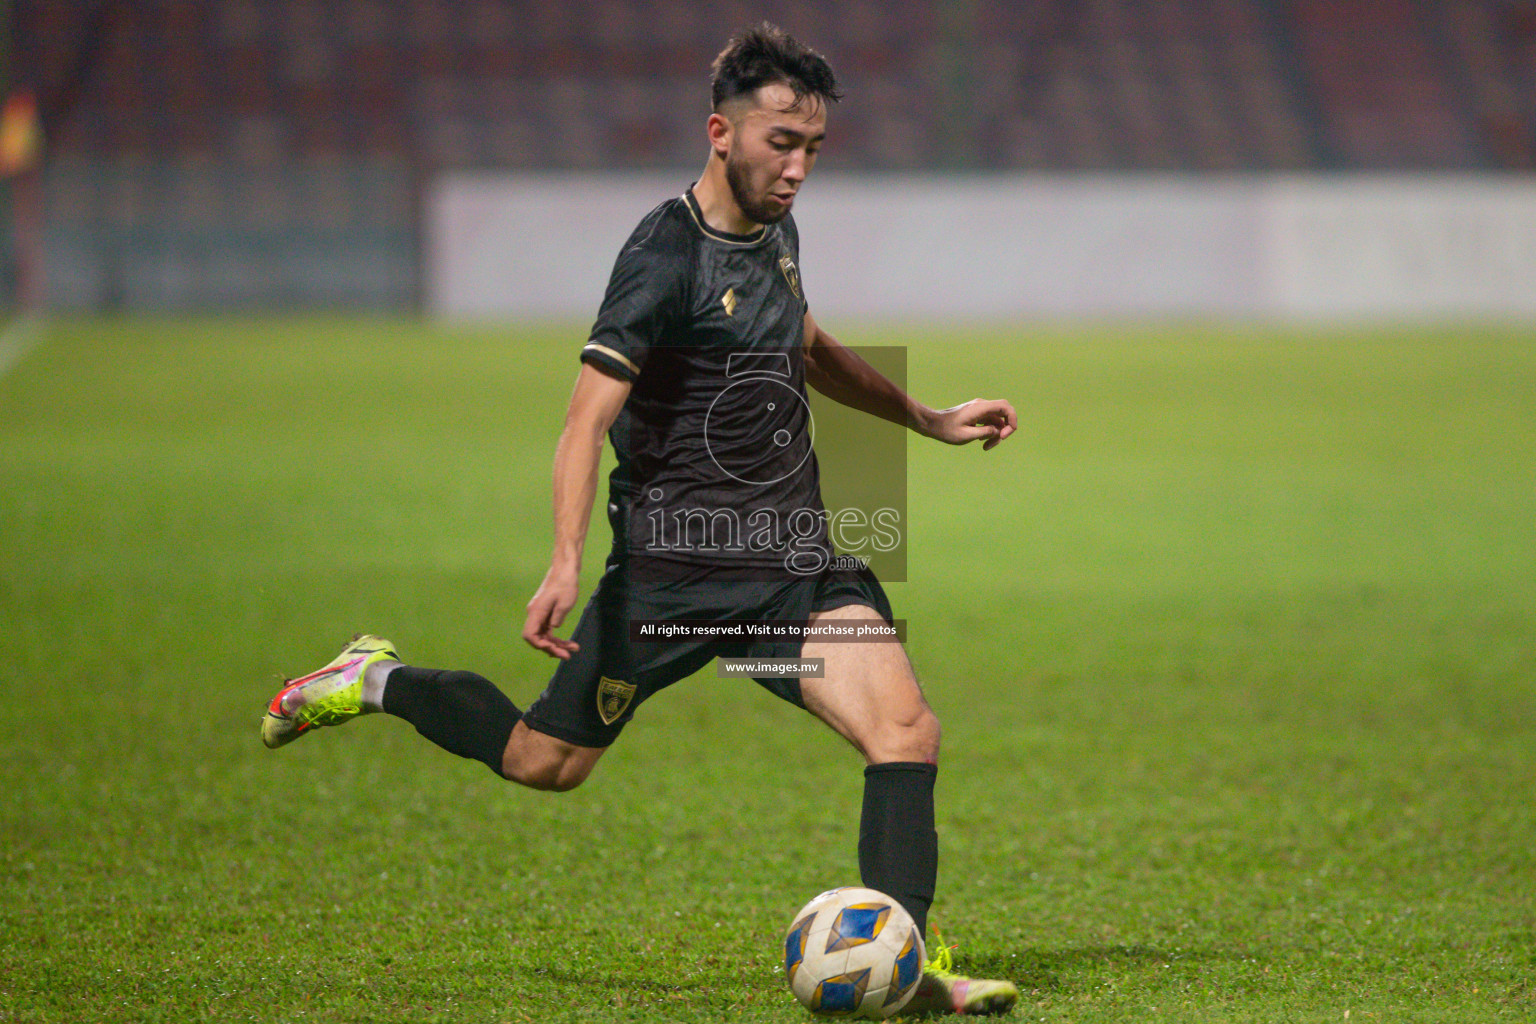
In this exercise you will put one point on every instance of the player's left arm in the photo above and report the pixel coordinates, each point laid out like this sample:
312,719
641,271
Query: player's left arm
843,376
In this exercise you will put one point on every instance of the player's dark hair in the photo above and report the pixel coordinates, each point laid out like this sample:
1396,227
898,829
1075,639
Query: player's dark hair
766,54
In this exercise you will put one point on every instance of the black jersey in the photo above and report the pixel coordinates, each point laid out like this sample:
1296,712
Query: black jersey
716,472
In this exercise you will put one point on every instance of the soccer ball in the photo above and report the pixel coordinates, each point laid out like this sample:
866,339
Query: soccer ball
853,952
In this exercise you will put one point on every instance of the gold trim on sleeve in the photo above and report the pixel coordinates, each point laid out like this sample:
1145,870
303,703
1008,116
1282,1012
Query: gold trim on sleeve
611,354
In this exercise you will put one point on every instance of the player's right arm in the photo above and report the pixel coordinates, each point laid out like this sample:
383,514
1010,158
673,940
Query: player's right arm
643,294
595,404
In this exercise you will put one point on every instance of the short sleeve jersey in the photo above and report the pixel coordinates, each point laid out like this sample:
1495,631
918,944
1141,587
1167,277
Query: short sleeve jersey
715,464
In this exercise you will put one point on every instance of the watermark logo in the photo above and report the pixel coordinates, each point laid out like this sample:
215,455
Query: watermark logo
759,429
756,483
801,535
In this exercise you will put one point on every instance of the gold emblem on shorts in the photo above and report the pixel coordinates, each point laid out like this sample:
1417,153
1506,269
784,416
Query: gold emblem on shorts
613,697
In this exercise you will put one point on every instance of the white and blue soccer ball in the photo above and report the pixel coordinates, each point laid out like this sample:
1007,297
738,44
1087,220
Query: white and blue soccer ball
853,952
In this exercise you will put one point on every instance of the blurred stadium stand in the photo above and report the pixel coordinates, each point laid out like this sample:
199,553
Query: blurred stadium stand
273,152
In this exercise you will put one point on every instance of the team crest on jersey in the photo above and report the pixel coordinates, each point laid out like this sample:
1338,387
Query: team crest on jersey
791,273
613,697
728,300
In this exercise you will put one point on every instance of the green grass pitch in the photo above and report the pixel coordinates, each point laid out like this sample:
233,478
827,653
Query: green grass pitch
1234,644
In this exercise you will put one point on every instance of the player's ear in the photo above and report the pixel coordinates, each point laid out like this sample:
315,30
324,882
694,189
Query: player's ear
720,131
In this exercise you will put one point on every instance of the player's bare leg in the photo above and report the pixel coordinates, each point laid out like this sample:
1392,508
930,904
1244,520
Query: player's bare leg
541,761
870,695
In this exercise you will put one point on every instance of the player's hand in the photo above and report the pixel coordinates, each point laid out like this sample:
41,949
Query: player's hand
989,421
555,597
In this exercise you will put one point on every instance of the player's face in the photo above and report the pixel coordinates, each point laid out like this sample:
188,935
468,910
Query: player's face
773,147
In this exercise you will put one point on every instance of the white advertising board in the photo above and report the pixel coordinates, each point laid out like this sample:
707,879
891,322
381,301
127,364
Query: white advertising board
986,247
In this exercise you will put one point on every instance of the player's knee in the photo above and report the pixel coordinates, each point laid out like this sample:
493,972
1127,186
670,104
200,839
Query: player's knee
926,734
561,781
557,774
913,737
540,761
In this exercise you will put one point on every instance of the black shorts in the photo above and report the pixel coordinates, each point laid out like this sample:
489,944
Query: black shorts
595,692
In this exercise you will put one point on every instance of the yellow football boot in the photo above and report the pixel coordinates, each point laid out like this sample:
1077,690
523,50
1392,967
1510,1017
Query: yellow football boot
327,696
943,991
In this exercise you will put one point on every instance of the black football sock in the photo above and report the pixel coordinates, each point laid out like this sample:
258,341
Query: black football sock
461,712
898,847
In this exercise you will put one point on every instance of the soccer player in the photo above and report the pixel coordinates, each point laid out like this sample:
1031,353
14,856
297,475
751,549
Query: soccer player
696,371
